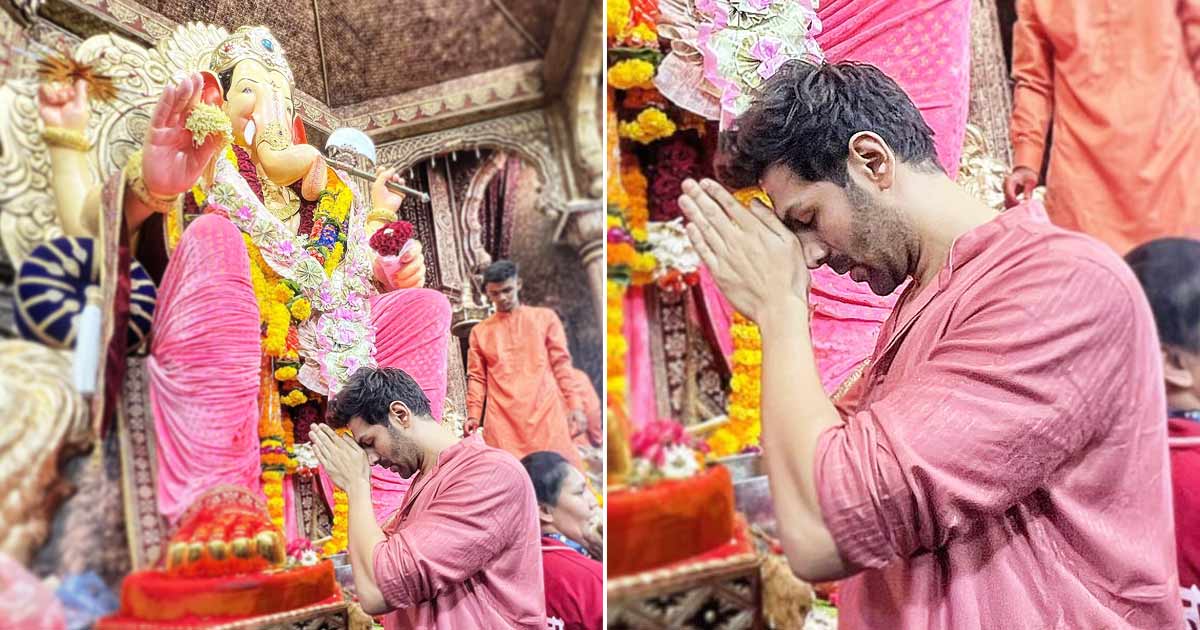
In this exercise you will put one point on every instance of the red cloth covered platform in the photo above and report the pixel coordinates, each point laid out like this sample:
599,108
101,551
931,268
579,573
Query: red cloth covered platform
150,600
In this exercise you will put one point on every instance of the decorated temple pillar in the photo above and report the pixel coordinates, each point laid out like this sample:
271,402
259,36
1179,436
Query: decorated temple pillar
991,94
582,229
581,225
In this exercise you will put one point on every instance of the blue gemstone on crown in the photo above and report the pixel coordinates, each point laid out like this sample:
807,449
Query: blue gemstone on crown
268,45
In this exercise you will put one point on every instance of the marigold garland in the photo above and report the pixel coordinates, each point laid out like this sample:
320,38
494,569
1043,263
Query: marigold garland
271,445
341,518
745,400
617,14
617,347
651,124
272,296
631,73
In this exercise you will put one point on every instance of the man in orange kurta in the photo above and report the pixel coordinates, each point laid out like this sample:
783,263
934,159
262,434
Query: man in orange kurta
1118,82
518,366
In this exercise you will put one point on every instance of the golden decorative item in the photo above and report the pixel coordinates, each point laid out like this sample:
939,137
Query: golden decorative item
979,173
240,547
274,136
250,42
66,139
281,201
195,551
133,175
58,68
217,550
38,387
379,215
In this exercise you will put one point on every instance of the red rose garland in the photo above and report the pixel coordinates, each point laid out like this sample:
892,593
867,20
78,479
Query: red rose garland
390,239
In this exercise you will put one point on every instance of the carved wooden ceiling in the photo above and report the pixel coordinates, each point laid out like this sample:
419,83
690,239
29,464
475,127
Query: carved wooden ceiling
377,48
390,67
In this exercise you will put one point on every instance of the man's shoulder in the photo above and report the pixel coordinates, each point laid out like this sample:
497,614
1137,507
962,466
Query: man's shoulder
1048,255
490,464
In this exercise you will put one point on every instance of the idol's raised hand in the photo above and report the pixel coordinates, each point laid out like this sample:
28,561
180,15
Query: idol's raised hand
171,161
754,259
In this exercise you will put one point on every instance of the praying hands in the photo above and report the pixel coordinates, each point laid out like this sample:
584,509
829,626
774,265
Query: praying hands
752,256
341,457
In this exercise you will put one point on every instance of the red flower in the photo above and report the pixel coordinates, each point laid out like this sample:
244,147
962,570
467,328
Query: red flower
391,238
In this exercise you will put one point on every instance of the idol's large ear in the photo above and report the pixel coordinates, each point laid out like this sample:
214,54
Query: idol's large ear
299,136
212,93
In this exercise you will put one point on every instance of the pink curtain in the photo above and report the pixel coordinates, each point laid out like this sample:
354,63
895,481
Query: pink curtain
203,368
639,367
925,45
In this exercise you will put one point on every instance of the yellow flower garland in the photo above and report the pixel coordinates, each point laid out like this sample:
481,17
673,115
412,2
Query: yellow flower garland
270,433
651,124
631,73
617,14
272,296
341,518
617,346
745,399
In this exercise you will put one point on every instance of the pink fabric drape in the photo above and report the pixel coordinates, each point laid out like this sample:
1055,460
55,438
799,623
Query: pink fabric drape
638,366
924,45
203,368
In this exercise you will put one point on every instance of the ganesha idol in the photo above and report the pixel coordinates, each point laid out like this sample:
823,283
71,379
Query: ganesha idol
269,297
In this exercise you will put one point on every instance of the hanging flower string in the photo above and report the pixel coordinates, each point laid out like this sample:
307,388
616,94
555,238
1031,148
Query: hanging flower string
745,400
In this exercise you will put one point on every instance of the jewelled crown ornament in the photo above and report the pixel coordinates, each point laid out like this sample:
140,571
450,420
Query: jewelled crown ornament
251,42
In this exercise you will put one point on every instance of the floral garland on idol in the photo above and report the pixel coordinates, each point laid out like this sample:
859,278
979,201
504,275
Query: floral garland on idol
312,298
744,427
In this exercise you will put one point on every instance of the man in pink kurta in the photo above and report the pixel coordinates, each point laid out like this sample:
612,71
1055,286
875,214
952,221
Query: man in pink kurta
463,550
518,366
1008,447
1006,464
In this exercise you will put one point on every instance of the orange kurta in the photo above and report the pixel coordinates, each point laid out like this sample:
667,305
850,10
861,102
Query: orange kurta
589,401
1118,81
519,363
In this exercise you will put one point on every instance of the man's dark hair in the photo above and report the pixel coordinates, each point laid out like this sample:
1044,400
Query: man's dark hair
500,271
371,390
1169,271
804,116
547,470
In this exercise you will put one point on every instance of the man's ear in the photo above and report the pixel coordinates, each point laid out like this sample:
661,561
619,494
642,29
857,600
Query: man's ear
872,159
1175,371
402,413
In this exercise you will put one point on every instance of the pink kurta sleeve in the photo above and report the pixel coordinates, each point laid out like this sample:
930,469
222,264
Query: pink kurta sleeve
1033,88
1012,391
456,535
560,360
476,377
1189,16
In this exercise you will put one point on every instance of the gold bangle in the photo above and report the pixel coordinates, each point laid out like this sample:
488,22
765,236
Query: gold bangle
66,139
133,175
381,215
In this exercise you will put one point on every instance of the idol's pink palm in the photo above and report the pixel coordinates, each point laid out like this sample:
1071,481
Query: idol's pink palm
171,162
